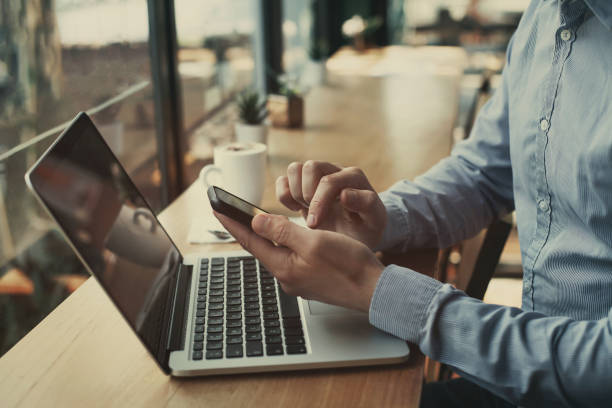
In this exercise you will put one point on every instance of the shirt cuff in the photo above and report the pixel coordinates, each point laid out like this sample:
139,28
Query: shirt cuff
401,301
397,224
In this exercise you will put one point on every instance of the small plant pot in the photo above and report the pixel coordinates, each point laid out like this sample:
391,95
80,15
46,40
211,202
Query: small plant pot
286,112
251,133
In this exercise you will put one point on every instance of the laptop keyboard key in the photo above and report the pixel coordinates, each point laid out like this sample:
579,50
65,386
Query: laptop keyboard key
273,331
198,337
274,349
270,308
271,323
234,308
214,345
200,320
215,329
253,336
234,340
288,304
293,340
198,346
293,331
215,306
253,329
254,349
197,355
252,313
298,349
270,316
214,337
214,354
233,316
199,328
215,313
252,320
215,321
234,331
233,323
233,351
292,323
274,340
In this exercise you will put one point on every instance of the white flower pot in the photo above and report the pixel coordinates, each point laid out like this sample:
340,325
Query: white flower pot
317,73
251,133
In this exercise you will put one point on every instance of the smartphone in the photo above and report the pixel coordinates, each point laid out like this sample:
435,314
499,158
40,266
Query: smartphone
234,207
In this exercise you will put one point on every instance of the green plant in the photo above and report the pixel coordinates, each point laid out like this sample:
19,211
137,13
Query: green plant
288,86
318,50
251,107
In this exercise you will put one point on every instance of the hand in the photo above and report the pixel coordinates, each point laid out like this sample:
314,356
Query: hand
313,264
334,199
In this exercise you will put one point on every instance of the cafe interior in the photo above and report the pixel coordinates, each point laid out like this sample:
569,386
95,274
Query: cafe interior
388,86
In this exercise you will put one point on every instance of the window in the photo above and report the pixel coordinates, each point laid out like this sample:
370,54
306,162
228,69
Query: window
57,59
215,61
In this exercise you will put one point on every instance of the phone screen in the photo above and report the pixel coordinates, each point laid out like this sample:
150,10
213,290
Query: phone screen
238,203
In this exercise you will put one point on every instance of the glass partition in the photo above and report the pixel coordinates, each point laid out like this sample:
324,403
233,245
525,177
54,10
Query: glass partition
57,59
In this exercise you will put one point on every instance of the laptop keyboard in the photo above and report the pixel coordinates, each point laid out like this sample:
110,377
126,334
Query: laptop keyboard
241,311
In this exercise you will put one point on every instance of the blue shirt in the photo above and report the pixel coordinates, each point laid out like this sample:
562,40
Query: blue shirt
541,146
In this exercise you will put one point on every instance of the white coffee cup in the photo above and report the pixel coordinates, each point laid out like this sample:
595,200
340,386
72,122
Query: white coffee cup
240,168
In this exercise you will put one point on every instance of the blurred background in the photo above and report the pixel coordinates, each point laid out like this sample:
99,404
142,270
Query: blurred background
159,79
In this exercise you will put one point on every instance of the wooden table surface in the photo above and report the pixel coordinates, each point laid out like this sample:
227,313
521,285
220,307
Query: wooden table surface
84,354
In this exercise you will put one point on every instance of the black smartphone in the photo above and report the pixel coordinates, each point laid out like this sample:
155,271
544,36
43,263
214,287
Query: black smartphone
234,207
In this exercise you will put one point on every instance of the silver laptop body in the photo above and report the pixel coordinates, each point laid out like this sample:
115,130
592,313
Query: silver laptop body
198,314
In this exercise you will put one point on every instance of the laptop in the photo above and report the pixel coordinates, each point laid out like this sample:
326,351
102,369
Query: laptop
204,314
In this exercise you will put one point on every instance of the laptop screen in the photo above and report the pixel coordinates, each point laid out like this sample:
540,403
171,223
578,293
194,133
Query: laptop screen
110,225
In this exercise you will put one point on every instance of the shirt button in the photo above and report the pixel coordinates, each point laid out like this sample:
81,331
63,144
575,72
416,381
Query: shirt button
544,125
543,205
566,35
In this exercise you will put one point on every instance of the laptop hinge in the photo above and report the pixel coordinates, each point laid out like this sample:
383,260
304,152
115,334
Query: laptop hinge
178,318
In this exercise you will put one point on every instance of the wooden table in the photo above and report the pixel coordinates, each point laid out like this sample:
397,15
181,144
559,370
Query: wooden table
84,354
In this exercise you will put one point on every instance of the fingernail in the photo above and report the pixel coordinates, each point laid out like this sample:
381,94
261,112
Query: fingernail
311,220
260,222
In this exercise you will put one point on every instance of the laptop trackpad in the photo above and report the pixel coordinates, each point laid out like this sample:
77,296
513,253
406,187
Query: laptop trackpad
318,308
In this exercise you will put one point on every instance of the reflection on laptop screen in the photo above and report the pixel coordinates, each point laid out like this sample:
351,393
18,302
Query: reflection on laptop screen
110,225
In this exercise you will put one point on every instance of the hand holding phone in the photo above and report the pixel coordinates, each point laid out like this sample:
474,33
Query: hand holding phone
234,207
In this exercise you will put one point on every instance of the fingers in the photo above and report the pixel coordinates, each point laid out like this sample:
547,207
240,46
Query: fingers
279,229
284,195
263,249
366,203
330,187
294,176
312,171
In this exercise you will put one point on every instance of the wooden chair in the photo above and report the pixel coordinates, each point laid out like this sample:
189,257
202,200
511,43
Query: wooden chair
479,257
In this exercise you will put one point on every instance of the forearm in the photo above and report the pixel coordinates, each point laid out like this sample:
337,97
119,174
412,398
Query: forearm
451,202
527,358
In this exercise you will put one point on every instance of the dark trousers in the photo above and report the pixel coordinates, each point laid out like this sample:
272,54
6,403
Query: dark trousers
459,393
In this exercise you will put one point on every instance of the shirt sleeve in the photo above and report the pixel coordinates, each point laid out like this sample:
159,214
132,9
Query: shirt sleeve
526,358
463,193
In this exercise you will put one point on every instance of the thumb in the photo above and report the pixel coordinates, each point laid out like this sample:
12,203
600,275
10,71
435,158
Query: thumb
279,229
363,202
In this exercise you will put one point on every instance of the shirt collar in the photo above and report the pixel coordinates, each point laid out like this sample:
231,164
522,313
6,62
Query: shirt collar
602,10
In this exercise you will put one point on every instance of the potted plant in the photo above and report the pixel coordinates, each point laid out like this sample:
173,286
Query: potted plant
318,52
252,113
287,107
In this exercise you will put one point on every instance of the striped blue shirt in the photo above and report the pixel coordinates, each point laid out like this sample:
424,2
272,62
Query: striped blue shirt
541,146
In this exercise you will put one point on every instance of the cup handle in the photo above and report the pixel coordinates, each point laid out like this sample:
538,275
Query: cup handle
144,213
206,171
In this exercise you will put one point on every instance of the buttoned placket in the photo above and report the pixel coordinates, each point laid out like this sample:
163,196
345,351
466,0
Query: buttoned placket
564,38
